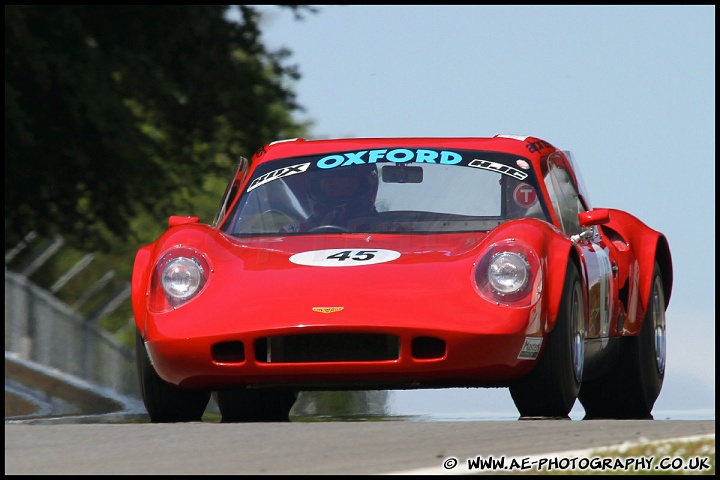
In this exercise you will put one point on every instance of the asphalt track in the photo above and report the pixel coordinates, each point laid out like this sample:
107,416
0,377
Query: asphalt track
49,432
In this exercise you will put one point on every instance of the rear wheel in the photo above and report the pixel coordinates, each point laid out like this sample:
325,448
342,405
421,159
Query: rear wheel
629,389
551,388
166,403
250,405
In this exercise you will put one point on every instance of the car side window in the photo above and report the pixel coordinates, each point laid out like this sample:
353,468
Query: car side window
232,189
563,194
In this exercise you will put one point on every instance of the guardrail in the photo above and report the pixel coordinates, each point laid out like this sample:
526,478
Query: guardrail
41,328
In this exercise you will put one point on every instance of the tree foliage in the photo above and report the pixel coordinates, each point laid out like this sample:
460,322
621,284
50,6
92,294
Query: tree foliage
116,113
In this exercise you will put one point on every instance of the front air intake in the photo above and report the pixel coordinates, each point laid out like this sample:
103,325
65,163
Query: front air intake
327,347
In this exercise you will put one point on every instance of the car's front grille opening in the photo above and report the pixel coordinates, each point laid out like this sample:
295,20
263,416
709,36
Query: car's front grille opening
428,347
327,347
228,352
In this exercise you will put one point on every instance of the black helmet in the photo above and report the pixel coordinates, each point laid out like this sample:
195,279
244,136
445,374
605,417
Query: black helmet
352,187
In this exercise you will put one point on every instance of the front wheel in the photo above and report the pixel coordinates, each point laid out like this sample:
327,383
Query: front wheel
251,405
166,403
629,389
551,388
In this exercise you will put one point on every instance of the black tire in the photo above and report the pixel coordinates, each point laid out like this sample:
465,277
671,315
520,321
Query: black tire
551,388
166,403
250,405
629,389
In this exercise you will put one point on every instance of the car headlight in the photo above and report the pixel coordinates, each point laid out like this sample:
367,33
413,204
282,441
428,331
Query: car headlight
509,273
180,275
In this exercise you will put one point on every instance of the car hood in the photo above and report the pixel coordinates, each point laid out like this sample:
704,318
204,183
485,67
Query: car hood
373,276
363,262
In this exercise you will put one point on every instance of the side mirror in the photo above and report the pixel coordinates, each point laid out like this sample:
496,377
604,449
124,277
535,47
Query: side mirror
597,216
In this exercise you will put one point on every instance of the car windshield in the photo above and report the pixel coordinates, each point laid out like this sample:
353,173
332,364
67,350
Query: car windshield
421,191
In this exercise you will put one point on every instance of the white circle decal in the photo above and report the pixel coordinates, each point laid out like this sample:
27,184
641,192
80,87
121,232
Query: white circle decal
339,257
525,195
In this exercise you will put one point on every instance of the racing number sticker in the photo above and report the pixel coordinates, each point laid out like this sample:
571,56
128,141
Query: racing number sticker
341,257
525,195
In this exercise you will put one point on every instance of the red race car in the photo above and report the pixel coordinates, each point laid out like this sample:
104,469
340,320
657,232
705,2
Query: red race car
403,263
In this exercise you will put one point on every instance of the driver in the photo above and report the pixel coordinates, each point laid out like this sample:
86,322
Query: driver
338,196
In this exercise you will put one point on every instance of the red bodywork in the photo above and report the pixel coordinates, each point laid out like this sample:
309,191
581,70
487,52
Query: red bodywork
447,334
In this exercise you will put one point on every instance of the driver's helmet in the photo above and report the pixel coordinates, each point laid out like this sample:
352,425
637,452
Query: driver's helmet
349,190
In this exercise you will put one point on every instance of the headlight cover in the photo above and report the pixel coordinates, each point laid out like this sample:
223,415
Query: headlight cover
179,276
509,273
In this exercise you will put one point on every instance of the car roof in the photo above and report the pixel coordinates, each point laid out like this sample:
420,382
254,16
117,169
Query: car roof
501,143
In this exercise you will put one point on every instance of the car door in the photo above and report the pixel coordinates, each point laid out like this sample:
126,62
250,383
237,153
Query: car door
595,253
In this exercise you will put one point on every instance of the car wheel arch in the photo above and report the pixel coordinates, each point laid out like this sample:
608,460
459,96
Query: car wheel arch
648,246
555,287
140,279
